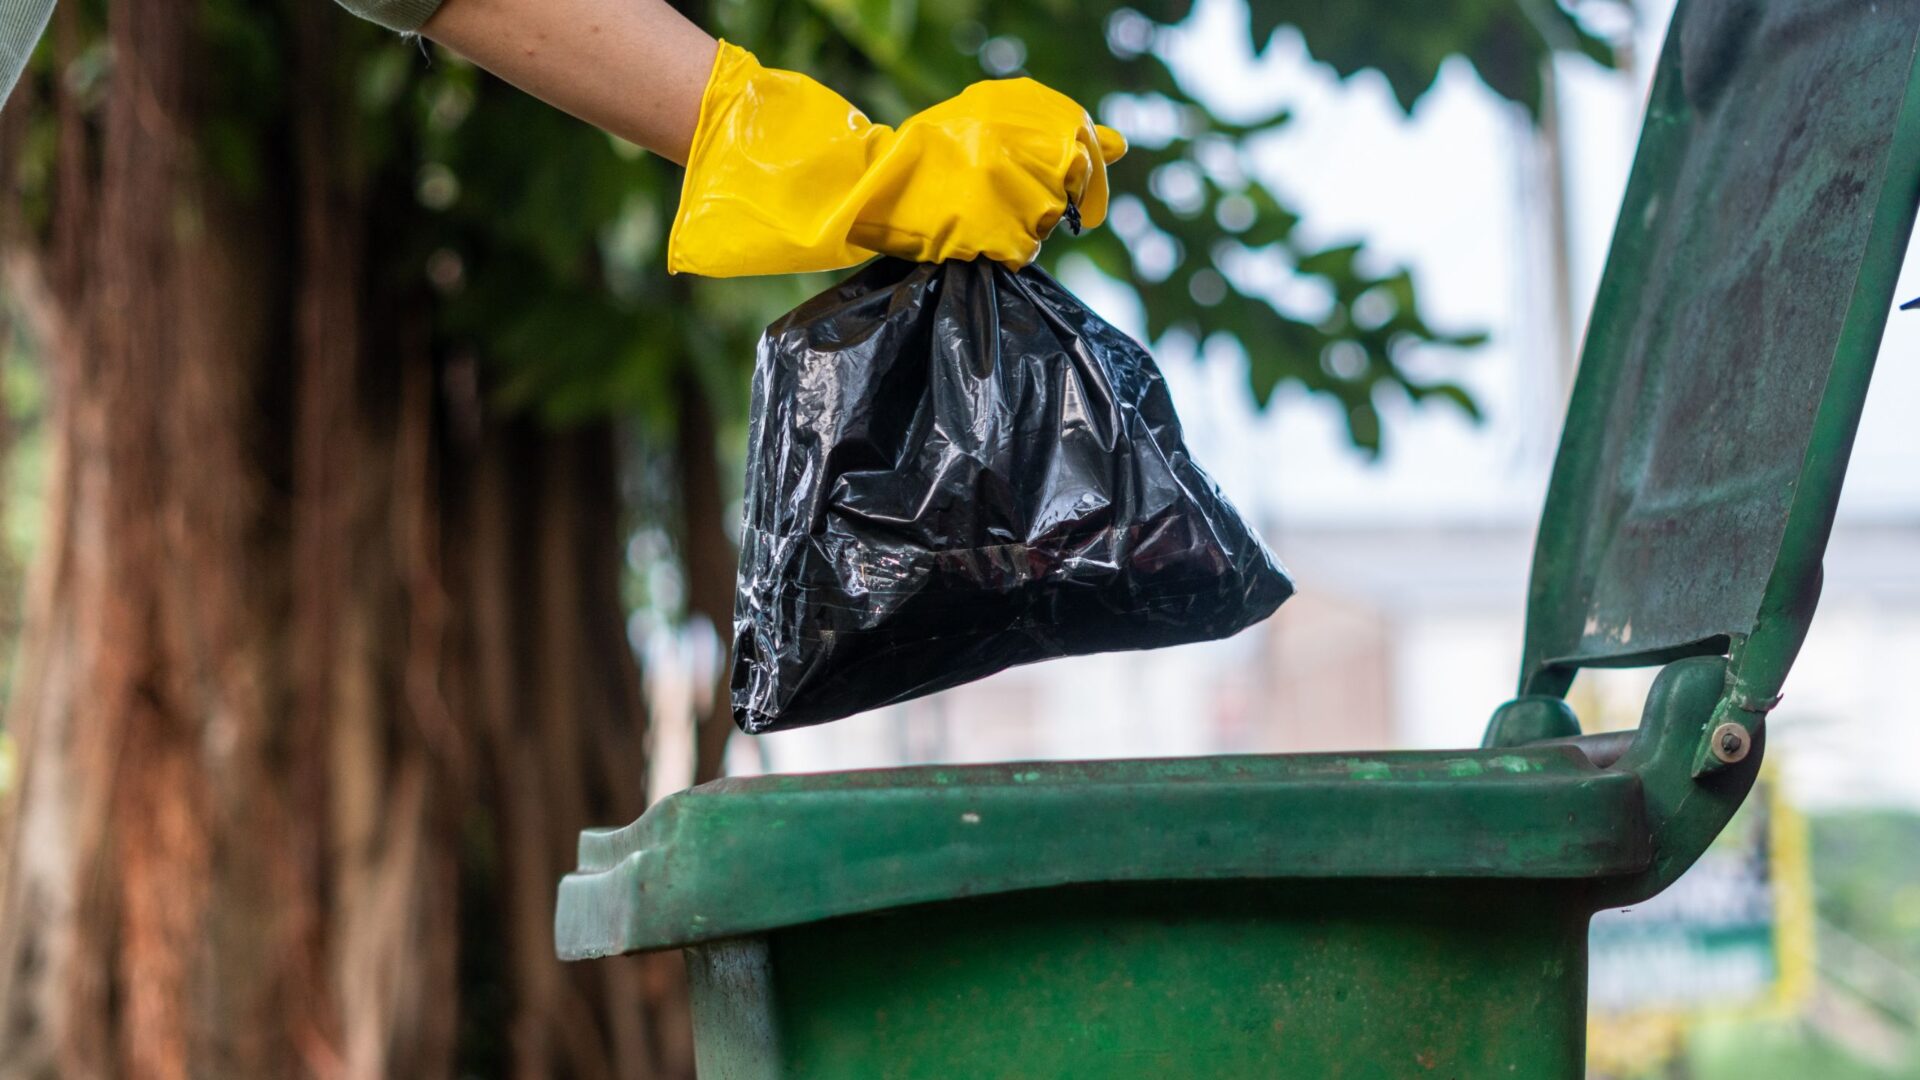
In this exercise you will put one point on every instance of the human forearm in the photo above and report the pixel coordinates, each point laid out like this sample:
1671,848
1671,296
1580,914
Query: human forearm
788,176
635,68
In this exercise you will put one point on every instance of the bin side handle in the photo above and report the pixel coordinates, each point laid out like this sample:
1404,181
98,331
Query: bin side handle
1685,810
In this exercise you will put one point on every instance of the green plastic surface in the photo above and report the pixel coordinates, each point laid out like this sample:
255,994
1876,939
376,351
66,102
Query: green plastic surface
1376,916
1292,982
1732,339
738,856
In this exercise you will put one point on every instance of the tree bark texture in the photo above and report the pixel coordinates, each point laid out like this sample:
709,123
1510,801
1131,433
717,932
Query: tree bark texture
707,554
324,664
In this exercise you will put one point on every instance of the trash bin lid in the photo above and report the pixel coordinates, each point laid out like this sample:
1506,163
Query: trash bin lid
1732,337
742,856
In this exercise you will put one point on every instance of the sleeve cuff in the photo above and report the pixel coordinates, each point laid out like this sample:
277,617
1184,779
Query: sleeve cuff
405,16
21,23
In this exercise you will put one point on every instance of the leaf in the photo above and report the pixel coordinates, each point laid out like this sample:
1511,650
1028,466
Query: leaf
1507,41
1363,427
1335,262
557,235
1451,392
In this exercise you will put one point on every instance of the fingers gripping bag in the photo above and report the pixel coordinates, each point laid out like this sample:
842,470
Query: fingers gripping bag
954,468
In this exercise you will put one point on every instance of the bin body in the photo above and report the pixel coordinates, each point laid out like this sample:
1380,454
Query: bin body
1316,982
1412,914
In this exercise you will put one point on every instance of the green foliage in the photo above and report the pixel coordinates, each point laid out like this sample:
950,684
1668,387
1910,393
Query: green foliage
544,239
548,239
25,445
1868,881
1189,220
1770,1050
1867,888
1407,40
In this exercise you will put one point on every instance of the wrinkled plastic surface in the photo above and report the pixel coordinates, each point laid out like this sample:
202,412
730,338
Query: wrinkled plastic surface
953,469
784,175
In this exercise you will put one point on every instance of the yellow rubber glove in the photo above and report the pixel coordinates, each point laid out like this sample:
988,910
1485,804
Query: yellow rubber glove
786,176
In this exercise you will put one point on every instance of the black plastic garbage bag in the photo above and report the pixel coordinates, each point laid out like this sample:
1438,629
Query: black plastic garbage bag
953,469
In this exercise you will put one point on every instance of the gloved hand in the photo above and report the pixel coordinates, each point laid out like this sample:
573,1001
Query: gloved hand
786,176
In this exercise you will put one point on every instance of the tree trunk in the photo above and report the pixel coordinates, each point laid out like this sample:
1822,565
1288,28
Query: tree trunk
324,664
709,558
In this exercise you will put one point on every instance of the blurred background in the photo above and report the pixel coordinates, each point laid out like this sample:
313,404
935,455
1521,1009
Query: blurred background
370,495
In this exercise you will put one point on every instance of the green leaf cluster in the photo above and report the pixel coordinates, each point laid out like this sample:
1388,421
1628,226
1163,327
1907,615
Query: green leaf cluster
1192,226
541,241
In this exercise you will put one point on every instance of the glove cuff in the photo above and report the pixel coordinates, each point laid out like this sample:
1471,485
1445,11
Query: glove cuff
732,66
775,164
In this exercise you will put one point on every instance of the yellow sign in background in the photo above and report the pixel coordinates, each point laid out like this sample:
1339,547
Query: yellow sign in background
1734,938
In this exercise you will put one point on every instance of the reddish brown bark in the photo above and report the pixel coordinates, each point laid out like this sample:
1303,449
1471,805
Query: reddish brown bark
709,559
324,665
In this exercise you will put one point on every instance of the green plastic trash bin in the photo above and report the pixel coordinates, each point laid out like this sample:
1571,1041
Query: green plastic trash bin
1382,915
